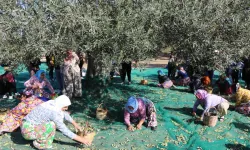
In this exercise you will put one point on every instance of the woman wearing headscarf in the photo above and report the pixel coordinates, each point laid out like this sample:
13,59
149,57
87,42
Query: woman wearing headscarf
242,100
7,83
224,84
164,81
205,80
182,78
137,110
41,123
15,116
208,101
71,75
37,83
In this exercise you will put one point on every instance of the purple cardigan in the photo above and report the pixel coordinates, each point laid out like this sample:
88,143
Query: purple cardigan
141,112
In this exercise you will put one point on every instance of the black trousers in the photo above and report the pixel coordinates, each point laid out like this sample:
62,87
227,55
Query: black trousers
51,69
210,74
80,65
248,84
235,76
126,70
7,87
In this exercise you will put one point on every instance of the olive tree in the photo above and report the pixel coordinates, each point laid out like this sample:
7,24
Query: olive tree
105,30
208,34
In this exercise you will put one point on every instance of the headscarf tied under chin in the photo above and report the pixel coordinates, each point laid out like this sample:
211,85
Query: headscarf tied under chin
201,94
132,102
38,74
57,104
160,72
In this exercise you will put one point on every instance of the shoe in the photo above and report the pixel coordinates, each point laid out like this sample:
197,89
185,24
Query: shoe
153,128
221,119
122,83
129,83
5,96
10,97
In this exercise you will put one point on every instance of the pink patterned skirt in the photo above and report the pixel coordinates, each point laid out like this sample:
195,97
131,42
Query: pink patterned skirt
244,108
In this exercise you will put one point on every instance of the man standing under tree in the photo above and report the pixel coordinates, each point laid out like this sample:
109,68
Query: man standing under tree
126,69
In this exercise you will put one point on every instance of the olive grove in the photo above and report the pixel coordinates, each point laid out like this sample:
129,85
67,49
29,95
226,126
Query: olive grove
209,34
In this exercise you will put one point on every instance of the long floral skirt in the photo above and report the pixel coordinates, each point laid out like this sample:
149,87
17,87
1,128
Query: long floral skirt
150,113
43,135
183,82
10,123
167,84
244,108
72,83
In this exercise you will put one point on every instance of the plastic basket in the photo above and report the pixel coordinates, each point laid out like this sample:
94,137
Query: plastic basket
101,113
210,118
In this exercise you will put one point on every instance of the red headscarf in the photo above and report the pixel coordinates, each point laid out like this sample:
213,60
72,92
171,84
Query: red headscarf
205,80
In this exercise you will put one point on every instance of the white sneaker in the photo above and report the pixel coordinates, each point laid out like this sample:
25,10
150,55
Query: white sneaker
5,96
10,97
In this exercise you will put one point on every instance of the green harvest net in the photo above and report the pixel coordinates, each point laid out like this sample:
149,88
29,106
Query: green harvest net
176,128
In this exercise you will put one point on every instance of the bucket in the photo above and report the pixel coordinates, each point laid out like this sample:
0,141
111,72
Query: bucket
101,113
87,132
210,118
144,82
88,136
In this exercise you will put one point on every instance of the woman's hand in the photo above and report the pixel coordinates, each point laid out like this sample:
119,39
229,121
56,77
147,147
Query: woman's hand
83,140
76,126
139,126
130,128
35,86
194,113
86,141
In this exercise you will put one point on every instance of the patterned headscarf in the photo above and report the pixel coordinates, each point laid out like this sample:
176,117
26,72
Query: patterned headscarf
160,72
201,94
38,74
132,102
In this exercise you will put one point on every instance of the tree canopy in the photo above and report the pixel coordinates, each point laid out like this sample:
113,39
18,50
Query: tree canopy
209,34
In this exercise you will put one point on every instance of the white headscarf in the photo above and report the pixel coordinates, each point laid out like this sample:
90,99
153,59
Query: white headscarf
57,104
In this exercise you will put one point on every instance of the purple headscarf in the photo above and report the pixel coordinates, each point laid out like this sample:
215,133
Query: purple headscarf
201,94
